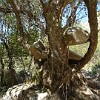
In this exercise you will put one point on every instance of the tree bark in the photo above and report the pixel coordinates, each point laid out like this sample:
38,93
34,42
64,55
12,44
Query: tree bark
2,71
9,52
92,16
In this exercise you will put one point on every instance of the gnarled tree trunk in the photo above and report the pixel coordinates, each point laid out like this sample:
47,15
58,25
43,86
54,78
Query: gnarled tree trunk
60,72
58,75
2,71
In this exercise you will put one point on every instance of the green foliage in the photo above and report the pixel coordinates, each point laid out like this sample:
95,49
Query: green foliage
95,69
36,75
3,89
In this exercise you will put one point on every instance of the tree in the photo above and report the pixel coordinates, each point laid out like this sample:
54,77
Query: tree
57,73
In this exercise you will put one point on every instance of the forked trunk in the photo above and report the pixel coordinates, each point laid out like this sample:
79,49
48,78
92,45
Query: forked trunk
57,71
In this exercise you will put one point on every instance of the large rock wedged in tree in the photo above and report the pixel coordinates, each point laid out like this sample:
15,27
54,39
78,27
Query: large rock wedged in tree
76,35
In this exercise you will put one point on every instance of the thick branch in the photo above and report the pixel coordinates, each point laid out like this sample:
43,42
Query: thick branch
9,53
11,2
92,15
72,17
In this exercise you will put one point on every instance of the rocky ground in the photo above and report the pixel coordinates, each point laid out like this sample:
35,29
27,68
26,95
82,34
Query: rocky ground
30,92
